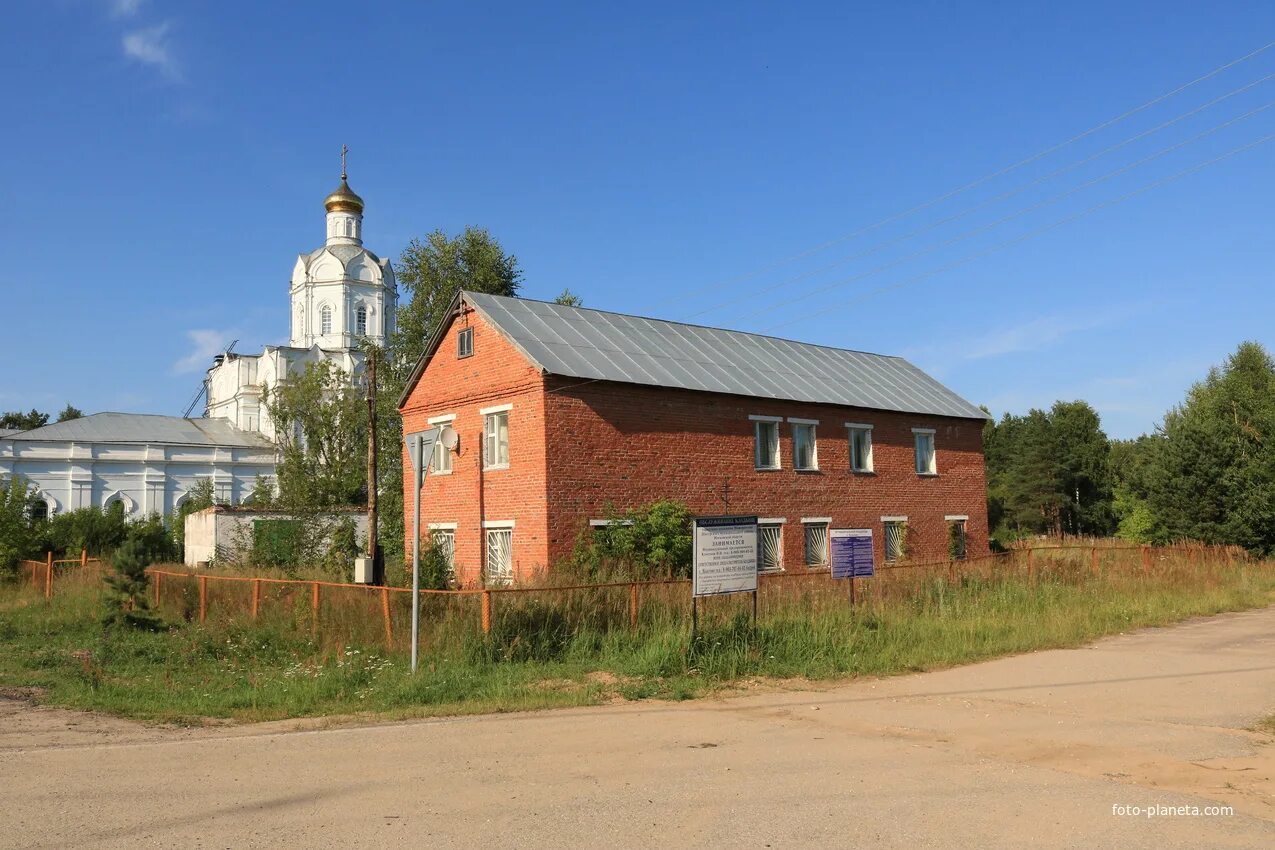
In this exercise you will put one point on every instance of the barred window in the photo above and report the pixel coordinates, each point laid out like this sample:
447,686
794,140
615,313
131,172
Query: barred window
445,540
956,539
325,320
896,540
500,557
360,321
770,547
816,544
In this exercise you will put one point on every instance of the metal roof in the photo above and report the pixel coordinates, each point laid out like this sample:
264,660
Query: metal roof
8,432
589,344
145,428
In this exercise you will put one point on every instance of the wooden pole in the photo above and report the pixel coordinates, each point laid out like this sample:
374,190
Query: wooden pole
1031,564
203,598
633,606
1146,560
385,615
486,612
1093,560
84,558
314,608
378,564
256,597
48,576
159,578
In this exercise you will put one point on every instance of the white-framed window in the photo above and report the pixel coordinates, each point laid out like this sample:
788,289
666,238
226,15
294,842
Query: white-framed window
770,545
465,343
325,320
816,540
496,437
896,538
766,441
498,569
925,464
360,321
860,447
805,453
441,462
443,536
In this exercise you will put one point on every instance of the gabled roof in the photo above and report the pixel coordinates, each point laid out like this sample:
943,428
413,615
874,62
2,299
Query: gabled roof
578,342
145,428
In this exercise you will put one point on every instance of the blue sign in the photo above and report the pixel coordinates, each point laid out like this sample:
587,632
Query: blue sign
852,552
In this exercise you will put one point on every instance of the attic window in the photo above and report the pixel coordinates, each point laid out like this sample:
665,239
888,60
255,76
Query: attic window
465,343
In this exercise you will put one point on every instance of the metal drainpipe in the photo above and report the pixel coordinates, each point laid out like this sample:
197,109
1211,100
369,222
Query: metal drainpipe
482,511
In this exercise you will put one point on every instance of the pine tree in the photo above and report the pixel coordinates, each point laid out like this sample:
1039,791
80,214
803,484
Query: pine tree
127,603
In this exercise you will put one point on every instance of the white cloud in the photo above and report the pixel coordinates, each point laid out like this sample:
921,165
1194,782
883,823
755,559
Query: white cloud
125,8
203,345
1030,336
150,47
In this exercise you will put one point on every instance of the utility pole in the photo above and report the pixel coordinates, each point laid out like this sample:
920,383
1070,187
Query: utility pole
373,548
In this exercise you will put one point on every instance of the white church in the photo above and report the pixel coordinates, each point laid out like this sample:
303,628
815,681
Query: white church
341,293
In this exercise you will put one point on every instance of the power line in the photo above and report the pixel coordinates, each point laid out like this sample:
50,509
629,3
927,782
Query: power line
961,237
981,180
1039,231
989,201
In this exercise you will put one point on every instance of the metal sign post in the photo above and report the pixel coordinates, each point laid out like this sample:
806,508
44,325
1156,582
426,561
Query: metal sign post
420,448
724,560
852,554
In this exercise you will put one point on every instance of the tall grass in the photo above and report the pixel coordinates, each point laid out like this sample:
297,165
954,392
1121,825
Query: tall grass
570,647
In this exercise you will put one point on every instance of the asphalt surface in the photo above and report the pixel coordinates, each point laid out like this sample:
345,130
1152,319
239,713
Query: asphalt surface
1034,750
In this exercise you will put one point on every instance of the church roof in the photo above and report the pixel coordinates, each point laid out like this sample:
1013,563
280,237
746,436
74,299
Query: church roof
145,428
595,345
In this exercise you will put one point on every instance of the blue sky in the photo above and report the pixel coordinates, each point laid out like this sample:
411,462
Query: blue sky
165,162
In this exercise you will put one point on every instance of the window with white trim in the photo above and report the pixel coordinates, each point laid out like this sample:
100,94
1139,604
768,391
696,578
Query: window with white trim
770,547
804,454
325,320
896,540
766,444
441,462
924,438
860,448
360,321
465,343
496,440
816,534
445,541
499,567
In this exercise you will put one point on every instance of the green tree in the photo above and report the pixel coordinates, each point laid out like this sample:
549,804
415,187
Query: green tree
1130,462
68,413
126,601
18,538
1213,475
430,272
19,421
321,425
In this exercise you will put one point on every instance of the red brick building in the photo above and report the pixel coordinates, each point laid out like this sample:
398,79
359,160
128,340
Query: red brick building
566,415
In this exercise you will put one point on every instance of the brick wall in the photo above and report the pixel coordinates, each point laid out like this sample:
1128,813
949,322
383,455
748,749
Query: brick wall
579,449
496,374
625,445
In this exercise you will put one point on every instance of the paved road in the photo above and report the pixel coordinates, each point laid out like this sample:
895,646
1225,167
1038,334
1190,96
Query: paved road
1032,750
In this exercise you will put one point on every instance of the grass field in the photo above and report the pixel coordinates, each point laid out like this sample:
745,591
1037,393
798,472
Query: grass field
536,658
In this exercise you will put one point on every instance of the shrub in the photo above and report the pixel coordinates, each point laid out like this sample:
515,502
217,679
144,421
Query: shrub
646,542
19,537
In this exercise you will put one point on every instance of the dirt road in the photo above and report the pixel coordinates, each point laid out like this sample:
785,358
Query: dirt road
1034,750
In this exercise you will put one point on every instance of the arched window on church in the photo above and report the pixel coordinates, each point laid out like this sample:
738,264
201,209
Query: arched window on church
39,509
360,321
325,320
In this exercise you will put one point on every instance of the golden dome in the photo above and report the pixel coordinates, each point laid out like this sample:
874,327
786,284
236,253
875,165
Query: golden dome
343,199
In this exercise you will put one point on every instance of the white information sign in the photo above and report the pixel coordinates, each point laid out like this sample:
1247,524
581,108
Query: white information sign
725,555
